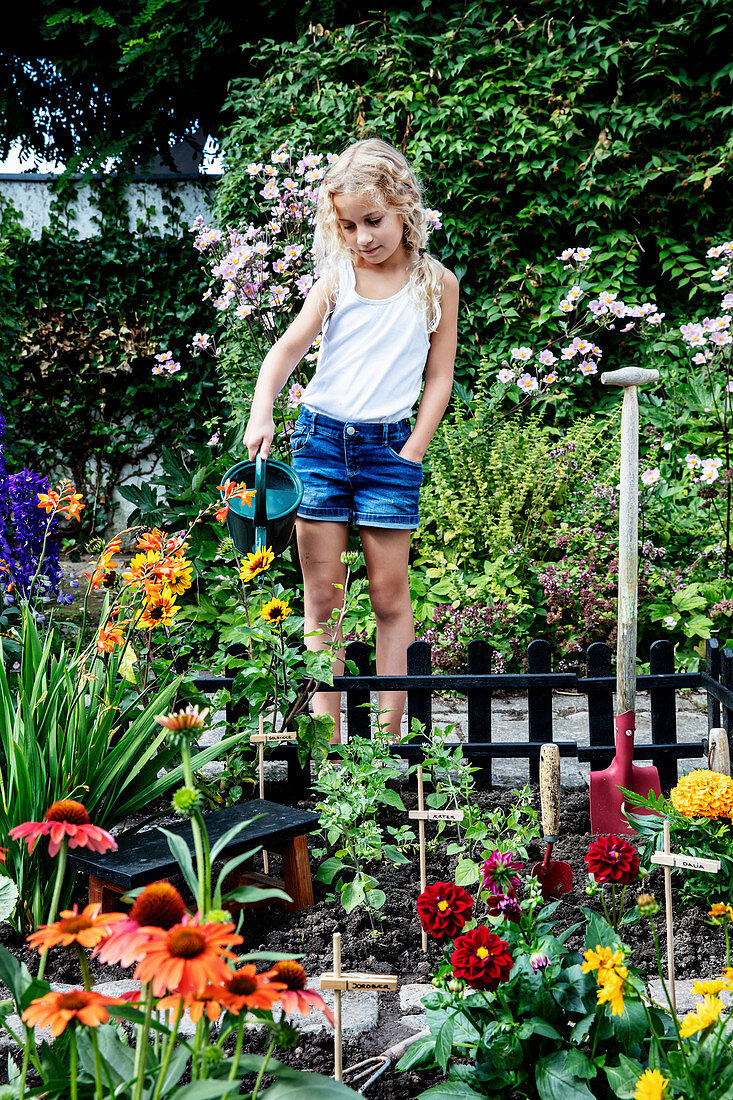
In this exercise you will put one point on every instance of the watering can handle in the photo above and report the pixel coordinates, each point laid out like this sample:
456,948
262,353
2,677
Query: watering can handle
260,502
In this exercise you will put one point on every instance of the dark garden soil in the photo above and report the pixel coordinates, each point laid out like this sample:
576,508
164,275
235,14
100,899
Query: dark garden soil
395,947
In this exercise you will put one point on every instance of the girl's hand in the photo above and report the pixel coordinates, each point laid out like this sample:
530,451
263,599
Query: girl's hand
259,435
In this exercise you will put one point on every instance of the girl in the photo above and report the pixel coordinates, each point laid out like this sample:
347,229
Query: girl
387,311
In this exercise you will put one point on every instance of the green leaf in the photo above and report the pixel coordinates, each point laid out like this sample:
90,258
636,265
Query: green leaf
182,855
8,897
623,1077
245,895
307,1086
467,872
554,1081
390,798
453,1090
329,869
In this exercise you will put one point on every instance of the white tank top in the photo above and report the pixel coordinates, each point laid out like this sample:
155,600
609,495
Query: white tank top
372,357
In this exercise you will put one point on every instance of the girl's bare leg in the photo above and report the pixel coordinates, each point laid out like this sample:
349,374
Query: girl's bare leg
320,546
386,552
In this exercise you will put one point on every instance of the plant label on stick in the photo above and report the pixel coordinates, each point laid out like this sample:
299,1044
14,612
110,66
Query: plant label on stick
669,859
344,981
266,738
436,815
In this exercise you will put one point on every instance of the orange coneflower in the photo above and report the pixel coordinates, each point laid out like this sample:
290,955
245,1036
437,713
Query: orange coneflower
209,1000
57,1009
297,998
87,928
158,611
187,957
256,563
159,906
69,819
246,988
187,719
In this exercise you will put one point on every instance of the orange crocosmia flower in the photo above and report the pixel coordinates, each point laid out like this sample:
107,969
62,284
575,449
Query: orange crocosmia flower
246,988
65,819
147,566
296,997
221,513
105,565
87,928
48,500
159,611
187,957
109,637
232,489
72,505
150,540
55,1010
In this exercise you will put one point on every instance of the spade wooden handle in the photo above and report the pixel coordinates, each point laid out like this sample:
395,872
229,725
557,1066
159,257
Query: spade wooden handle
550,789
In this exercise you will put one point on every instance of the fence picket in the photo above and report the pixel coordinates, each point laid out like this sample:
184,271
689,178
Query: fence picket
663,704
539,700
358,701
712,667
419,700
478,702
600,703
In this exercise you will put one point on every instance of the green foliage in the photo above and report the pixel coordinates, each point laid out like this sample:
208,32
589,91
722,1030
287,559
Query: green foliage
82,321
496,481
349,813
68,733
533,130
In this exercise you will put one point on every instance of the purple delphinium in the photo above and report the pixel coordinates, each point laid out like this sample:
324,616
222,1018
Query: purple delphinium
500,873
22,530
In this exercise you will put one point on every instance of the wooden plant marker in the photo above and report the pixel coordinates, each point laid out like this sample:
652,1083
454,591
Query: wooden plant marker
421,815
342,981
668,859
260,740
718,752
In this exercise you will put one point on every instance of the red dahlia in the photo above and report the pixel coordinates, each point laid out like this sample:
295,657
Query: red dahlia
611,859
443,909
481,959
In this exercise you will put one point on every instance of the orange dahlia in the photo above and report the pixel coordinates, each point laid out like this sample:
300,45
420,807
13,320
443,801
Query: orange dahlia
55,1010
246,988
296,997
159,906
65,818
187,957
87,928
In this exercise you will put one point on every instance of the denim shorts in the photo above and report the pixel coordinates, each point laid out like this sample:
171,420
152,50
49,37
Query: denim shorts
353,473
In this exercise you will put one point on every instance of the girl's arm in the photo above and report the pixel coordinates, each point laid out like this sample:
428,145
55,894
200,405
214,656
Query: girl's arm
438,373
277,366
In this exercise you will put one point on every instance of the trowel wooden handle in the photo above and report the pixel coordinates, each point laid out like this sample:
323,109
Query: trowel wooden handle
550,789
718,752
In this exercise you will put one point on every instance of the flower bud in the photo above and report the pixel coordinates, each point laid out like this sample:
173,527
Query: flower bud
285,1035
219,916
350,558
539,961
186,800
456,985
647,904
211,1055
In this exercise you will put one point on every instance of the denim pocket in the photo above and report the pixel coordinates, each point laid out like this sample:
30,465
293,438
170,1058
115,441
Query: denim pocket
299,439
407,461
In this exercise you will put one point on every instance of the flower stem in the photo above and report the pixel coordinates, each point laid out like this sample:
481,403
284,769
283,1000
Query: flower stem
60,871
237,1051
263,1067
199,832
86,975
72,1066
141,1042
98,1091
727,944
168,1052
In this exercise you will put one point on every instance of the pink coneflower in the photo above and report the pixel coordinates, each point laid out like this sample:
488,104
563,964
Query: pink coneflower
296,997
69,820
187,957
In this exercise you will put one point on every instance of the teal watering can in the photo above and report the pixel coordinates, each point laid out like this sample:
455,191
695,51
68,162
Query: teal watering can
270,518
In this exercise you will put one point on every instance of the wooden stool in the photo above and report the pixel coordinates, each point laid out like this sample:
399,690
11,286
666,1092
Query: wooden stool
142,858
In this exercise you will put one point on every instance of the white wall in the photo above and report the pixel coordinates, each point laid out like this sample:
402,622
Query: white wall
32,198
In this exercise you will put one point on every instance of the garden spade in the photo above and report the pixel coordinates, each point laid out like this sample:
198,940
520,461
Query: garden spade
606,800
555,877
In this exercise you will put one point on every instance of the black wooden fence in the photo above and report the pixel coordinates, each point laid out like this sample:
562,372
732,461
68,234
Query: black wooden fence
479,684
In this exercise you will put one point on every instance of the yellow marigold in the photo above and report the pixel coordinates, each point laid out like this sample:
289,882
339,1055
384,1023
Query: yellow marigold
604,959
706,1013
611,990
720,912
703,793
275,612
713,987
651,1085
256,563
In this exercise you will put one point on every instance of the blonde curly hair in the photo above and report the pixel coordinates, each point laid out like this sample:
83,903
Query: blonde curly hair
375,169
